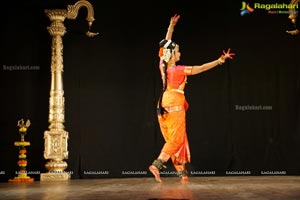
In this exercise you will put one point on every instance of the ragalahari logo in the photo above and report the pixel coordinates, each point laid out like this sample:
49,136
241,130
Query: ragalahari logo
246,9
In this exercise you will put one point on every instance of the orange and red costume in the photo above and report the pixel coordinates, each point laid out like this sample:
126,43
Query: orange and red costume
173,123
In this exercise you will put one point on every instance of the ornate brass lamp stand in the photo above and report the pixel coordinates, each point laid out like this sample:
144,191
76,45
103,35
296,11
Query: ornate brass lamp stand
22,144
293,14
56,138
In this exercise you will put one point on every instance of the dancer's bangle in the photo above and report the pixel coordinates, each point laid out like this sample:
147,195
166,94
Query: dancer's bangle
221,61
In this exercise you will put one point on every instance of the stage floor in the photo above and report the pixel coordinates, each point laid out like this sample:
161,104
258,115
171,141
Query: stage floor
199,188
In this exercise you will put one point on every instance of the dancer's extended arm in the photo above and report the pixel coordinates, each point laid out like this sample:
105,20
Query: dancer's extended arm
201,68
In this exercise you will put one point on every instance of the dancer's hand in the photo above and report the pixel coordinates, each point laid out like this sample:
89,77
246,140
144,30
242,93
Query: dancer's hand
227,54
174,19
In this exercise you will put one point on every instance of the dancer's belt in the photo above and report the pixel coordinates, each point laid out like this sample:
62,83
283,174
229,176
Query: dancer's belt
176,90
174,108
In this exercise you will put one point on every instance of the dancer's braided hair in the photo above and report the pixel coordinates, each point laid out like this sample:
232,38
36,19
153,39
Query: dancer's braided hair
165,52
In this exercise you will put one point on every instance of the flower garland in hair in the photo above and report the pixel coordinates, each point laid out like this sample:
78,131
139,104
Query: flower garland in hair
164,54
167,55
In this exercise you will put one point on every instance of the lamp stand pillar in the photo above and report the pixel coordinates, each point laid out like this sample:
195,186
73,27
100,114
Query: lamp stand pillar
56,145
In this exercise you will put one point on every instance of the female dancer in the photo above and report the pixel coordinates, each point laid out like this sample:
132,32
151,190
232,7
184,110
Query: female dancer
172,105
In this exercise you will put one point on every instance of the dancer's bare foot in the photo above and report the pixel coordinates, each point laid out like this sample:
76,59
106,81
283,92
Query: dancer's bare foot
155,172
183,174
184,179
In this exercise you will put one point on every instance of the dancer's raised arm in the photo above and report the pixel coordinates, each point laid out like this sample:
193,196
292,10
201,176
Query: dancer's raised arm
172,24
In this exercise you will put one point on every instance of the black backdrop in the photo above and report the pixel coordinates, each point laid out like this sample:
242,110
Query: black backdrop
112,84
